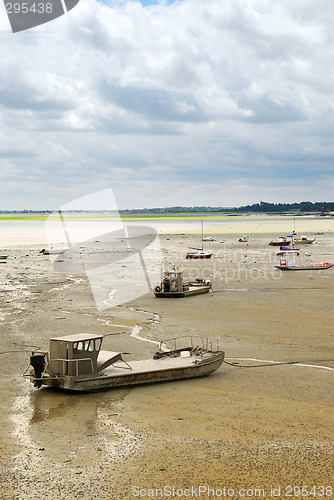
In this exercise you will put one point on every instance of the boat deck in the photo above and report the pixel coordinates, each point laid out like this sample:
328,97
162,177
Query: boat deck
129,368
150,365
140,372
147,365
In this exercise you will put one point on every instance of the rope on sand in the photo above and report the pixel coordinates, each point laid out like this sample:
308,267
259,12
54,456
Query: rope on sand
278,363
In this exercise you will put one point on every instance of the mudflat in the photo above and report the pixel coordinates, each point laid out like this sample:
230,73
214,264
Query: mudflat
261,424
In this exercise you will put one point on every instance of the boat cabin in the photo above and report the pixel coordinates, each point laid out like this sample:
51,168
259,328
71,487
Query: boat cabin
172,285
304,239
172,282
79,354
288,259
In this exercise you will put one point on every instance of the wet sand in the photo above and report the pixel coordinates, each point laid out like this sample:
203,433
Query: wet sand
247,426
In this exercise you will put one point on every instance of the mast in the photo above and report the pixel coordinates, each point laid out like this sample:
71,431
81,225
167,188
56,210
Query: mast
202,234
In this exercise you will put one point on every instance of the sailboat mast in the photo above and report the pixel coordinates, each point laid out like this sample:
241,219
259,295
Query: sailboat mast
202,234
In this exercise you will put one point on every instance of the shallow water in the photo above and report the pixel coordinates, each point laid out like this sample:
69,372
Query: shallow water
14,233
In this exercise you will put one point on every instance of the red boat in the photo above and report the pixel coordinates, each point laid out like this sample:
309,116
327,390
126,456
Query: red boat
198,253
284,266
280,241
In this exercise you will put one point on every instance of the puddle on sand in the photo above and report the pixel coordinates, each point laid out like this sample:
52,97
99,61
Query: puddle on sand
62,433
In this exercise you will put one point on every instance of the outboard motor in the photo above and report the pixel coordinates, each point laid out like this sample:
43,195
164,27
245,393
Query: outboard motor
37,361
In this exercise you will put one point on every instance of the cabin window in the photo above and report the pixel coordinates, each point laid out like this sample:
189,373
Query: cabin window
78,346
87,346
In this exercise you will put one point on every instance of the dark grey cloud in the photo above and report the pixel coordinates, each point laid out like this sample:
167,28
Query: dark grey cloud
266,110
153,104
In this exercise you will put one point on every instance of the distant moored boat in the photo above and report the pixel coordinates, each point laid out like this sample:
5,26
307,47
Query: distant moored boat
199,253
303,240
288,263
304,267
282,240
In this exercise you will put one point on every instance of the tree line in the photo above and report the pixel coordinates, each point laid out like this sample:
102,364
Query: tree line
298,208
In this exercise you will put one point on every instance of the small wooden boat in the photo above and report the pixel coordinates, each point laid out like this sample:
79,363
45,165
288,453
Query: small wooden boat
303,240
198,253
282,240
3,258
77,363
244,239
173,286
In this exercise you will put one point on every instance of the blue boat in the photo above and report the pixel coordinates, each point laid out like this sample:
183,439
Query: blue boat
305,267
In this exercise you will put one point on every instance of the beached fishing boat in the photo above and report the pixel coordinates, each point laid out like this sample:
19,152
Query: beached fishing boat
244,239
77,363
3,258
282,240
173,286
288,263
303,240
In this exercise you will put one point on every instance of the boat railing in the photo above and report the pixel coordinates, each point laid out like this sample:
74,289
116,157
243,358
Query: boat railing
66,362
196,342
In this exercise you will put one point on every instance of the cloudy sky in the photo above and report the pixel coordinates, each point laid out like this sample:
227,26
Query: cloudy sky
192,102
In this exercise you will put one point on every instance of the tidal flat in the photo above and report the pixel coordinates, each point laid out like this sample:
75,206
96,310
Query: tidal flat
262,421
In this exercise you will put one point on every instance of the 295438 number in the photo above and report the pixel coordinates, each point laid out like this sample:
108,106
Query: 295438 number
305,491
25,8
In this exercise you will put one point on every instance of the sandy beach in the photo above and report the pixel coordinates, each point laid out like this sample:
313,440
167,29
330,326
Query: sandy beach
252,429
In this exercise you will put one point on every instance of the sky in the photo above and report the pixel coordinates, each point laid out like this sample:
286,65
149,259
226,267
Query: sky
191,103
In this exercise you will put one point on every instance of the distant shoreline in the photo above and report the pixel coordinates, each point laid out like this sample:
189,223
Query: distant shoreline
263,208
137,215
